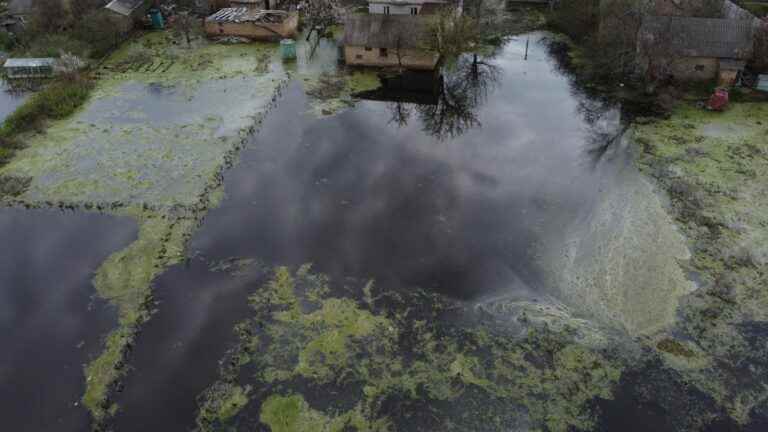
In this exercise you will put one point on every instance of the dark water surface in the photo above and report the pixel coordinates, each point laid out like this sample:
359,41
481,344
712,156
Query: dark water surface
50,322
10,99
451,197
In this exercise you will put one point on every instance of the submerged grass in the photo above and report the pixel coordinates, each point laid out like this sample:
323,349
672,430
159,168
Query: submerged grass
714,167
124,280
375,350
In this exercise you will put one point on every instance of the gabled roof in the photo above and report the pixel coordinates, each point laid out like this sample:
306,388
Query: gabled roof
702,37
125,7
385,31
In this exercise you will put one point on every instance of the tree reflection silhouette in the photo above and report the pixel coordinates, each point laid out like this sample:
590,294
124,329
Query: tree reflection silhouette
464,89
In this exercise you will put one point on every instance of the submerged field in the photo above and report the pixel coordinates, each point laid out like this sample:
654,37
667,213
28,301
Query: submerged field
499,257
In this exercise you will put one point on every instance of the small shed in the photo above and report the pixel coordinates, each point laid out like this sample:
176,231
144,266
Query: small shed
697,49
128,11
29,67
128,8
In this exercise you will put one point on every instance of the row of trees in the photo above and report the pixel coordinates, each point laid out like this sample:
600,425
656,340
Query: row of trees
81,27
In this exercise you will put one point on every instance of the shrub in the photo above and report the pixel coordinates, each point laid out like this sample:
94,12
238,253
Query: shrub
7,41
51,45
60,99
100,31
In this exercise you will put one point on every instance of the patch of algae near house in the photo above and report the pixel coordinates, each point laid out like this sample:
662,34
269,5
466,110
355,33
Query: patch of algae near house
714,166
356,358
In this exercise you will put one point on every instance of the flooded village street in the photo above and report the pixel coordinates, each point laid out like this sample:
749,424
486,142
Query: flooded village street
221,240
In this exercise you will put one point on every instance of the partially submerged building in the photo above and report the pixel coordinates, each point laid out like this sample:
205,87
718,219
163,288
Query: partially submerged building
388,41
16,68
695,49
252,23
392,34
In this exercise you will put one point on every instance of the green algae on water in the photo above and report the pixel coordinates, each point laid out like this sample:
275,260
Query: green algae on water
365,349
714,167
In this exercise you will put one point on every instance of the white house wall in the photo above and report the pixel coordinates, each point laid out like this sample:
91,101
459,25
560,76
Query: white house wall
378,8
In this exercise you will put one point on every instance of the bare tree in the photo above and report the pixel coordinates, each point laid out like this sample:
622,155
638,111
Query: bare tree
49,16
319,16
400,113
656,47
184,25
450,33
761,47
465,89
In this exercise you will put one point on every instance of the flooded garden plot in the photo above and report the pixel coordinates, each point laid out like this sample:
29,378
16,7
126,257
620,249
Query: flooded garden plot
163,122
437,297
484,255
51,320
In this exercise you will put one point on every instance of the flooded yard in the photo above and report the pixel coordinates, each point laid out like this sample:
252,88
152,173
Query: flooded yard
294,247
52,321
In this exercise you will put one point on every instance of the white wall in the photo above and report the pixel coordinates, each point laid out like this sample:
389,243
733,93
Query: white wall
378,8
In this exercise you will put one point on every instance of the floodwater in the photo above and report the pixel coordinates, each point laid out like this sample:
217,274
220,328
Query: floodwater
10,99
453,197
50,321
455,190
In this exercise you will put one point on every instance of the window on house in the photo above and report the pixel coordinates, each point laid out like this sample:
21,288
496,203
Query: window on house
414,11
383,52
699,68
359,56
368,48
386,10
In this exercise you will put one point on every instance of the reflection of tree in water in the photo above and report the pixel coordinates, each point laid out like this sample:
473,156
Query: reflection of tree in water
464,90
597,106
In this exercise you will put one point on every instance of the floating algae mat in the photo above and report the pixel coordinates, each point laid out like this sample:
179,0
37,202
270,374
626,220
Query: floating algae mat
311,357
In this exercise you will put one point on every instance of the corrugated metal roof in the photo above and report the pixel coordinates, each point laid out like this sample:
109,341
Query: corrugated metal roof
701,37
125,7
383,31
29,62
242,15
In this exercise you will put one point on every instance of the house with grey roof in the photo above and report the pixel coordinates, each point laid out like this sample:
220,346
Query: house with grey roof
392,34
695,49
387,41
